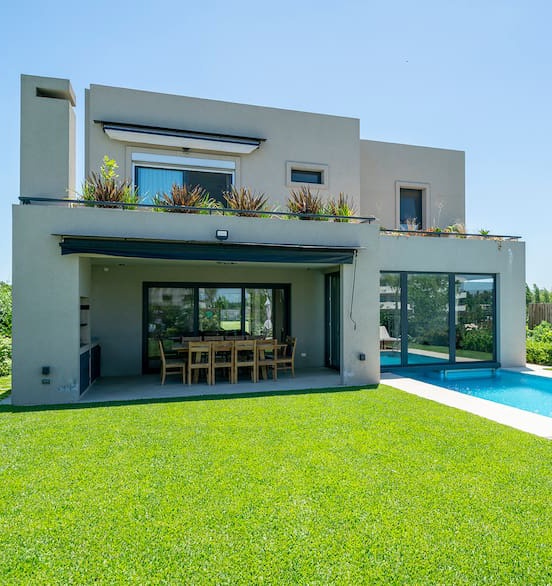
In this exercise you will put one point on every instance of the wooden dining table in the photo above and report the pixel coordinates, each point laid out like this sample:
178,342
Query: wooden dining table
184,350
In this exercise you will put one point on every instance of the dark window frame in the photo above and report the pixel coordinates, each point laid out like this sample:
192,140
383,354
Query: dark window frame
452,363
183,170
196,286
306,172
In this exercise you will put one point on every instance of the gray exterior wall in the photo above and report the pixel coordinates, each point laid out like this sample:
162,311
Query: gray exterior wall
290,136
47,137
117,299
504,258
439,172
48,287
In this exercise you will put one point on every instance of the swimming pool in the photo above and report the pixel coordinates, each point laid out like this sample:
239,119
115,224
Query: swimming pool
524,391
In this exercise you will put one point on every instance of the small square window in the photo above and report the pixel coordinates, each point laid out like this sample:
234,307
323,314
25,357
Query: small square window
303,176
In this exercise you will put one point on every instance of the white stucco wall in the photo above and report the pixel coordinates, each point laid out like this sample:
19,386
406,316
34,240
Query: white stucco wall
385,166
506,259
290,136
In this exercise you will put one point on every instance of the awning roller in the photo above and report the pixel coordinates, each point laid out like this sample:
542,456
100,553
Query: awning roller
226,252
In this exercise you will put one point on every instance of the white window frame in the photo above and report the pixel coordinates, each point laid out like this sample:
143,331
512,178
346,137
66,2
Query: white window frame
300,166
425,188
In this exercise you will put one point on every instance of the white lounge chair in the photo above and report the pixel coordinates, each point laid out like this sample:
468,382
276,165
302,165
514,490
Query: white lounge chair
386,341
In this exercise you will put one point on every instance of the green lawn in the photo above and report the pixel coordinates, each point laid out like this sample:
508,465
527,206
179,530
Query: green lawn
473,354
354,487
5,386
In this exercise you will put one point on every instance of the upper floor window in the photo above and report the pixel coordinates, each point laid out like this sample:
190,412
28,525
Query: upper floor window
411,206
156,174
303,176
306,173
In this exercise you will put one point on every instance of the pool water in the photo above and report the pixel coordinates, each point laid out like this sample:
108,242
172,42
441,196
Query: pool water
524,391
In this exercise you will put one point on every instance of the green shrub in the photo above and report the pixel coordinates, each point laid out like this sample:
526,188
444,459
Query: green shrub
541,333
478,339
5,355
539,344
5,309
539,352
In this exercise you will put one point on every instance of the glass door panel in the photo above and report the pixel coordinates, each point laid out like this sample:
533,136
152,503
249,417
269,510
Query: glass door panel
428,318
474,311
259,310
220,310
390,319
170,315
333,320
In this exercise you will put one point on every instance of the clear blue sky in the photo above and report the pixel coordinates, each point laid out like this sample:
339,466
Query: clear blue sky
474,76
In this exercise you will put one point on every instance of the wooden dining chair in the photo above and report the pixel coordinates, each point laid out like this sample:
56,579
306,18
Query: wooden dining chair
222,357
287,360
171,365
266,358
199,358
245,356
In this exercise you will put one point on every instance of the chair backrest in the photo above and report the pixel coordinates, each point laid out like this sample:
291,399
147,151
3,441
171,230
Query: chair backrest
266,346
201,348
161,351
292,344
384,334
248,346
222,346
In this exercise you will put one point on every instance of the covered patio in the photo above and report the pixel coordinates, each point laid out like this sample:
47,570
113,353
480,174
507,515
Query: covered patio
149,387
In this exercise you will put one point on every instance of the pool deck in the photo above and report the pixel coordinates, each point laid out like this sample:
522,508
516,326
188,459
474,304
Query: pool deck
517,418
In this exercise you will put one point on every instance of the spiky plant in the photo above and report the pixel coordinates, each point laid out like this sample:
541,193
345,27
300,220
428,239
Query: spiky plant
106,186
244,199
457,228
342,207
303,201
185,196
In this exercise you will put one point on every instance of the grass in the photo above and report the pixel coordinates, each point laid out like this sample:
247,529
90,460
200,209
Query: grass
352,487
473,354
5,386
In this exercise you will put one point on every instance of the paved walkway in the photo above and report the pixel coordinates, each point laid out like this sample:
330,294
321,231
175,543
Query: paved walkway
517,418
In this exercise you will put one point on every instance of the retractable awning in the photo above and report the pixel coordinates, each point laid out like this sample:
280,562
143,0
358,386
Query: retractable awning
186,139
215,251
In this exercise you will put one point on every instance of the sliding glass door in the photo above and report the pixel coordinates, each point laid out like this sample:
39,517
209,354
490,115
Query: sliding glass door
437,318
173,310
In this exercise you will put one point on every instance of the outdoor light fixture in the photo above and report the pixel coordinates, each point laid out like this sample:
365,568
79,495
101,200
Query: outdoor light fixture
221,234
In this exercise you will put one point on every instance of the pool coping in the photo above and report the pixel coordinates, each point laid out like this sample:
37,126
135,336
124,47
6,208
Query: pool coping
533,423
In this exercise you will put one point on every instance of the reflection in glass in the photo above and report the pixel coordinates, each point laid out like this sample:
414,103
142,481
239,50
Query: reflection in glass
259,312
219,309
390,319
474,311
170,316
428,330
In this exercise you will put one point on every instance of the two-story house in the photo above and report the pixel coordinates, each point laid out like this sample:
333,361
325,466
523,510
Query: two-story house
389,288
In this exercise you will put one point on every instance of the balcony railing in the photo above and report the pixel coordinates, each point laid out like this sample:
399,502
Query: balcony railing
67,202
